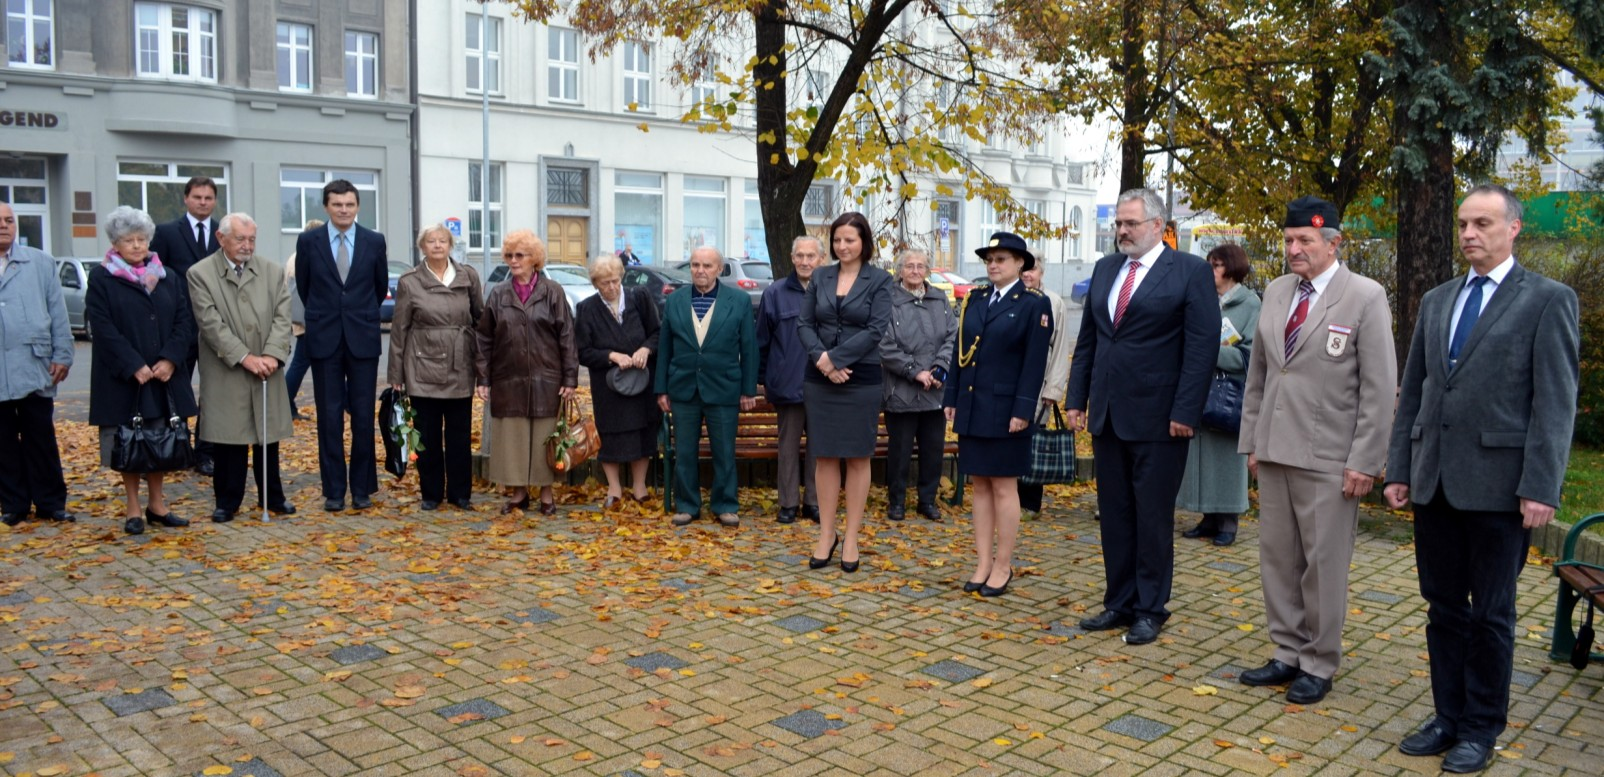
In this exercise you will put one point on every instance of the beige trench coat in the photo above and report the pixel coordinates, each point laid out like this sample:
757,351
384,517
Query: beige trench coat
240,316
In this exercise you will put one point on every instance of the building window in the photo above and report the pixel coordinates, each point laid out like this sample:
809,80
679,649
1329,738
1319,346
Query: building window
638,213
300,196
158,187
816,204
637,76
705,88
704,213
755,238
361,64
175,41
24,185
562,65
294,57
568,187
1074,232
29,34
1075,174
476,205
491,53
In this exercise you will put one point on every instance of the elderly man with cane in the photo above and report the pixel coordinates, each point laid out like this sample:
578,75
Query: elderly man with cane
242,307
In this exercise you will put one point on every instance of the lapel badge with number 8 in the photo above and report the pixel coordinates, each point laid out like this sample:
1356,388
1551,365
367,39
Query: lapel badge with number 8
1337,340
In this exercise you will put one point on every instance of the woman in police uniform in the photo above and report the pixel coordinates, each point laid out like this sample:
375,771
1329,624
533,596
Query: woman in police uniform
998,361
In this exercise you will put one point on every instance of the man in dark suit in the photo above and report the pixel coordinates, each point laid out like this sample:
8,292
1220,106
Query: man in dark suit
1480,446
1138,380
181,243
707,362
342,275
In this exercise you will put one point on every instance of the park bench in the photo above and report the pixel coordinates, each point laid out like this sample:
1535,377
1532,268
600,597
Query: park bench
757,438
1579,580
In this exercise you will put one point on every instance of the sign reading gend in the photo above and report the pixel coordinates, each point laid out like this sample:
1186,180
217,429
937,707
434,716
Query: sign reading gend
38,119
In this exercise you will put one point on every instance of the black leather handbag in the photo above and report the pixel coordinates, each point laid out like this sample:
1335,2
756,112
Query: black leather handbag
1223,410
140,447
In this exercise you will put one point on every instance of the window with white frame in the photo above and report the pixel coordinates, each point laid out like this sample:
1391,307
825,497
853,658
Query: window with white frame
30,34
361,64
637,76
1073,224
705,87
294,57
562,65
175,41
817,204
490,52
755,236
991,219
300,196
704,213
158,187
638,213
476,205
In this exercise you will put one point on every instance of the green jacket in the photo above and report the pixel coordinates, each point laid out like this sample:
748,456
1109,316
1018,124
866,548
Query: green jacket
724,367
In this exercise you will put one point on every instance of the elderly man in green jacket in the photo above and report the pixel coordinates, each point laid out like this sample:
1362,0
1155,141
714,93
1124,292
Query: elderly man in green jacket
707,363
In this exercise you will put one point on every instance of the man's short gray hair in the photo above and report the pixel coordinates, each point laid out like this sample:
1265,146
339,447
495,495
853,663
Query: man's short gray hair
717,254
1330,234
1152,205
817,243
1512,207
227,224
125,221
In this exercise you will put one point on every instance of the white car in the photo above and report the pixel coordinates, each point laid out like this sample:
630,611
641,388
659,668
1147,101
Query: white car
574,279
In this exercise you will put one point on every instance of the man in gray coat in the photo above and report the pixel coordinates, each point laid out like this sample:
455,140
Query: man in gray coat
35,354
243,308
1480,446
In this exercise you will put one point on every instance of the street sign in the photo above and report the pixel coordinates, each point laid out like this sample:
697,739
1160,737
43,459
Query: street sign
454,224
944,225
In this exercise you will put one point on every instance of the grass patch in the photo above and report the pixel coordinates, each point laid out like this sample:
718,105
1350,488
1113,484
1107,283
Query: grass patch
1584,487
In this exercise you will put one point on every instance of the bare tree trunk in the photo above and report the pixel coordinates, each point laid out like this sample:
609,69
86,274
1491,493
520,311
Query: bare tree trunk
781,190
1133,138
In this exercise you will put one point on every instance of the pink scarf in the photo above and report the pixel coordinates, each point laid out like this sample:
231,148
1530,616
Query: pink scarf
145,275
523,291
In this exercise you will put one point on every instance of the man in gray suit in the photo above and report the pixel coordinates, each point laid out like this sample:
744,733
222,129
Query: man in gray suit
1480,446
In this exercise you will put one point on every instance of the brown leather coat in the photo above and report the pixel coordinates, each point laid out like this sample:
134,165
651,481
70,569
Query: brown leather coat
526,350
432,339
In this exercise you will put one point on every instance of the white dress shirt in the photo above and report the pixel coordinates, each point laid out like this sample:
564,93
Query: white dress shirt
1147,261
1495,278
1320,282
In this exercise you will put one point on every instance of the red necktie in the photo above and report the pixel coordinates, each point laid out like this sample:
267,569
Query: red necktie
1299,313
1125,291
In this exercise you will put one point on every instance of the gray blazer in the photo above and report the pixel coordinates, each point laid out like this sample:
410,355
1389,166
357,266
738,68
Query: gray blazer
34,332
848,328
1505,433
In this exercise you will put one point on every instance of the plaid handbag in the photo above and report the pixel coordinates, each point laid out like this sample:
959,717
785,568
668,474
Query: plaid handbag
1052,453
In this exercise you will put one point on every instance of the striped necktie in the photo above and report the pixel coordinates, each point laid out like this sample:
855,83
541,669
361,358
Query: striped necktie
1125,291
1301,312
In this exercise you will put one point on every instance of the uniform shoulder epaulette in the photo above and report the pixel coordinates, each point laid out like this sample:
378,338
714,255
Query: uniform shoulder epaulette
1036,292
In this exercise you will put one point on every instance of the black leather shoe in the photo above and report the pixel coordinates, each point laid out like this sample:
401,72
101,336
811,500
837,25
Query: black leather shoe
988,592
284,508
1273,673
429,504
135,525
897,512
62,516
929,512
811,512
222,516
463,504
205,467
11,519
1200,531
1308,689
787,515
1432,738
971,586
1143,631
333,505
169,519
820,563
849,566
1225,538
361,503
1466,758
1106,621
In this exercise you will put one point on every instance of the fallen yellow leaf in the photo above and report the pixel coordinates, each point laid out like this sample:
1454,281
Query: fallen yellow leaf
1003,741
213,770
1205,690
983,682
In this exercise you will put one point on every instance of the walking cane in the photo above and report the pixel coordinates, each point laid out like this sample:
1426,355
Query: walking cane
261,486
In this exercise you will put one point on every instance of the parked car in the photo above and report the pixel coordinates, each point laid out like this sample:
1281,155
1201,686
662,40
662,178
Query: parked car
574,279
661,281
1078,292
387,307
749,275
960,286
939,281
74,274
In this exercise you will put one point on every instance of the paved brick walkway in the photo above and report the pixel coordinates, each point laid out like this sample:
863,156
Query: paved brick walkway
449,643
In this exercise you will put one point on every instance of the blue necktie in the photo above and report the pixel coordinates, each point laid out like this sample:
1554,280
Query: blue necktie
1467,319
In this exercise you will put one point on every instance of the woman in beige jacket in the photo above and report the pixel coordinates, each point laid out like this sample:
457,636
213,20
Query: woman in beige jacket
432,356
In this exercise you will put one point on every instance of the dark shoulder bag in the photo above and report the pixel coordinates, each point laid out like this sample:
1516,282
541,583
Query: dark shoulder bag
142,449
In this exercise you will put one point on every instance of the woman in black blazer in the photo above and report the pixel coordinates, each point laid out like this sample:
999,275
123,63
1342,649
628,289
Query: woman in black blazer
1004,333
609,338
845,309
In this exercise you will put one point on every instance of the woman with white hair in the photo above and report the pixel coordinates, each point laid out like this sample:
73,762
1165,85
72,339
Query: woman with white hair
616,333
143,330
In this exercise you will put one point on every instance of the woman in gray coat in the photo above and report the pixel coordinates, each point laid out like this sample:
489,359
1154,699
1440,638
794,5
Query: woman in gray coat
1216,479
915,352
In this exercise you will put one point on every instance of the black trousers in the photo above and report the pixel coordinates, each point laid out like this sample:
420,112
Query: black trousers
30,463
927,428
203,449
1469,563
341,384
444,469
1030,495
1136,487
228,475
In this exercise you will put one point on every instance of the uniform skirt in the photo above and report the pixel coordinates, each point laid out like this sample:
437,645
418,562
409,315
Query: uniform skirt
994,457
518,451
843,419
633,445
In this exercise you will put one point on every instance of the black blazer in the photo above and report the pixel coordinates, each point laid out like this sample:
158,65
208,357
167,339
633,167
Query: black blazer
132,330
848,328
174,242
596,335
1157,367
1006,345
342,314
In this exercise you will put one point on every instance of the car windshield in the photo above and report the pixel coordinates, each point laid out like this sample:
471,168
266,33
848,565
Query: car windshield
397,268
567,275
672,275
758,271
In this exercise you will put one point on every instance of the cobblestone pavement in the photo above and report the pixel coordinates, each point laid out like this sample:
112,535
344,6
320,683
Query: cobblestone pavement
394,642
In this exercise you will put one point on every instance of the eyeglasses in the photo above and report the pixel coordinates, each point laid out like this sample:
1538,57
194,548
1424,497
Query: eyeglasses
1131,224
520,256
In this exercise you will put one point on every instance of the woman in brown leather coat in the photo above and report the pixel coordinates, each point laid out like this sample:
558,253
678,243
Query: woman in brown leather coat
527,366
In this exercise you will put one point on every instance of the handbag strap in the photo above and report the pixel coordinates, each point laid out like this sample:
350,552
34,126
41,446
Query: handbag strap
1058,416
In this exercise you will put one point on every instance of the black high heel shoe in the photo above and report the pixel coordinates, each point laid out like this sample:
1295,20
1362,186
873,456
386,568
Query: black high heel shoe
971,586
820,563
849,566
988,591
521,504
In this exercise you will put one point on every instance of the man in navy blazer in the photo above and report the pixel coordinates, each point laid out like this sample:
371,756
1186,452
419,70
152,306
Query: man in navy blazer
1482,440
1138,381
342,275
181,243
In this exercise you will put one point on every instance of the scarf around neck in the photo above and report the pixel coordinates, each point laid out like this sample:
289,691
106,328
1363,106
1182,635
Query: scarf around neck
144,276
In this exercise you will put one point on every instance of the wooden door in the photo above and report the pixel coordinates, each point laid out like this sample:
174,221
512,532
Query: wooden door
566,239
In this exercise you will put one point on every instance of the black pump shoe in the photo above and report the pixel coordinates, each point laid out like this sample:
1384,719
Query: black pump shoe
820,563
988,591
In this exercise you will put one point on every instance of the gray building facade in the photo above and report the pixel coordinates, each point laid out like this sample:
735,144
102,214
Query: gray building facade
118,102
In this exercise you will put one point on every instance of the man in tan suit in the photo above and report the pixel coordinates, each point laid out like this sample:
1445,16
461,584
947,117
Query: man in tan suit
1316,417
